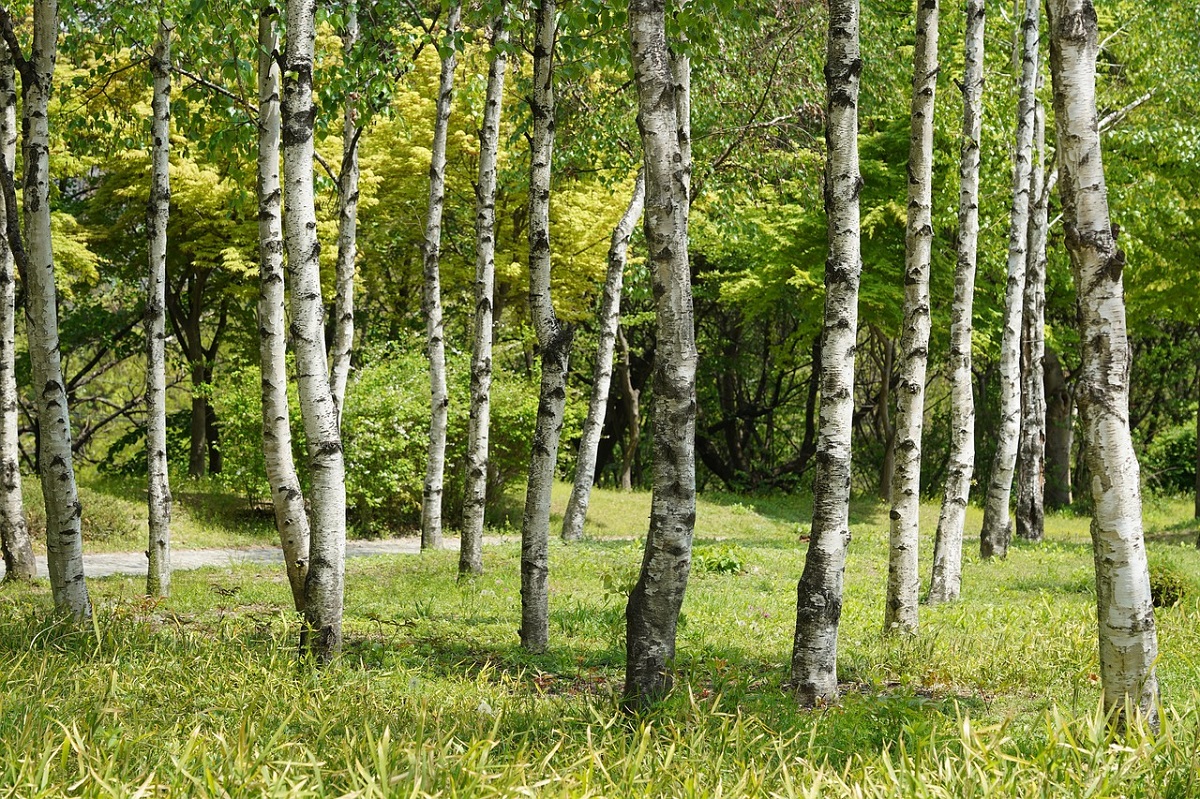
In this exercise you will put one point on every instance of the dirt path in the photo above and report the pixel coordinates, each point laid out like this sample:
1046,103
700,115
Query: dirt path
107,564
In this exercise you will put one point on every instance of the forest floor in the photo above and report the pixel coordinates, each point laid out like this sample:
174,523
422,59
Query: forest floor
997,696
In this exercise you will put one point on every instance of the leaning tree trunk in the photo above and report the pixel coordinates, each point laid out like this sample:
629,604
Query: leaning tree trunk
819,592
64,542
291,519
996,534
17,544
327,547
1125,612
610,316
1060,432
554,340
653,610
1031,471
903,582
158,574
947,549
470,555
431,302
343,303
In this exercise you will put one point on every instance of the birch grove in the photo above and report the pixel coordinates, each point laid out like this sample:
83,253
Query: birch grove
431,303
652,613
947,552
475,492
158,573
1124,608
610,317
900,611
327,545
819,592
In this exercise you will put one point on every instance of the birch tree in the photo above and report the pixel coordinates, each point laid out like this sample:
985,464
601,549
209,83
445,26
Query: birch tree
291,519
554,341
470,559
610,317
158,573
64,542
1031,451
1125,612
996,534
947,551
900,613
19,563
819,592
652,613
343,303
431,302
327,545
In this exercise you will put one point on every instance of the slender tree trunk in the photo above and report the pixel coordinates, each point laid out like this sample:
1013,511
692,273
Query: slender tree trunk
1197,486
158,574
64,543
819,592
198,453
1060,431
17,544
633,413
887,470
996,534
291,519
947,550
327,546
439,409
1125,612
903,581
470,559
1031,472
343,303
653,610
610,315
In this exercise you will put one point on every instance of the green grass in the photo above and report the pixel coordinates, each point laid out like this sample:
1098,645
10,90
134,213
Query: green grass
202,695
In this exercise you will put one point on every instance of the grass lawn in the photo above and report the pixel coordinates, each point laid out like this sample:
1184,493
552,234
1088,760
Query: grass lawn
201,694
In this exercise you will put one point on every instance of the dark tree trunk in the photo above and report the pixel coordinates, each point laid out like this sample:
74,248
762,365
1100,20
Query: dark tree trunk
1059,433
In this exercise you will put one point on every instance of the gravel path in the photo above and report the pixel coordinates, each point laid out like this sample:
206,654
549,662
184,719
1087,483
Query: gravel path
134,563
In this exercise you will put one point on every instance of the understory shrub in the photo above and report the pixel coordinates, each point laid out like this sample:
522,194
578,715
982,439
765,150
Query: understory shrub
1169,461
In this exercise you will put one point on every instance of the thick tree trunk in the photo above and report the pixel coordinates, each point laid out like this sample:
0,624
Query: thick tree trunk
327,546
819,592
1060,432
633,414
343,303
653,610
610,315
996,534
470,559
1125,611
291,519
158,573
1031,475
15,540
64,543
900,614
431,302
947,549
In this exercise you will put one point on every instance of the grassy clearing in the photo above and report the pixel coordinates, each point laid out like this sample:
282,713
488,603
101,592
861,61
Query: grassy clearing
201,695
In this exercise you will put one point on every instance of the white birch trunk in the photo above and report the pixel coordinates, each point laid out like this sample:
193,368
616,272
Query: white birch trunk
947,551
900,612
996,534
64,543
1031,451
652,613
1125,612
291,518
610,317
554,341
327,546
470,559
439,395
158,572
819,592
15,540
343,303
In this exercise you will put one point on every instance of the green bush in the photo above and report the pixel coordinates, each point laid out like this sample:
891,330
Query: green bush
1169,581
1169,461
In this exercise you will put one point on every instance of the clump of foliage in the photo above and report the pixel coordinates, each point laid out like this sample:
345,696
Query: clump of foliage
719,559
1169,459
1169,582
